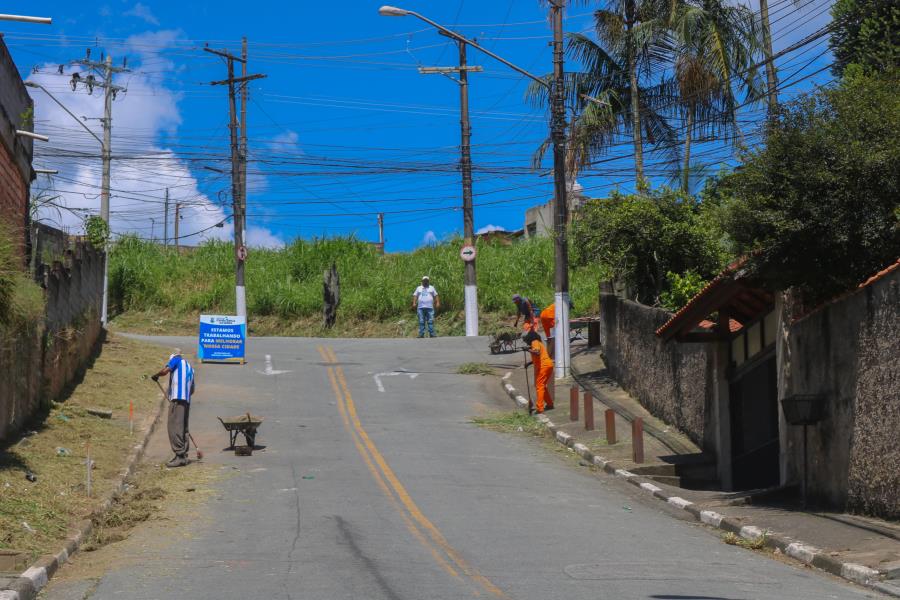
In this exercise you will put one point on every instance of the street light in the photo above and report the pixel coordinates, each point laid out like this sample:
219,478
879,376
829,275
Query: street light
558,135
26,19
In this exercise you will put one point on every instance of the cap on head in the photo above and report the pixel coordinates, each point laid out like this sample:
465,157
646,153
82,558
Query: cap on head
516,298
426,278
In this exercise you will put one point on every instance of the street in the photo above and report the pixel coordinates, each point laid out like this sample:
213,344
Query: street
374,484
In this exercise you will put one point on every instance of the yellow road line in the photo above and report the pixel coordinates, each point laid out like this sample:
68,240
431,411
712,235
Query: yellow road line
401,492
377,476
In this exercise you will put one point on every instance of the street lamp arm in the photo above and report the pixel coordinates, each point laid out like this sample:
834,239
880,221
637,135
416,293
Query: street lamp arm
32,84
464,40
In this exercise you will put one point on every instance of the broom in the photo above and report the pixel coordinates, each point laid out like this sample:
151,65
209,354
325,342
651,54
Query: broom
190,436
528,383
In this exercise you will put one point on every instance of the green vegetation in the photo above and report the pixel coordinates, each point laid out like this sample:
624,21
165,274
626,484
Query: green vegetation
514,422
819,204
21,300
97,231
868,35
638,239
472,368
733,539
285,285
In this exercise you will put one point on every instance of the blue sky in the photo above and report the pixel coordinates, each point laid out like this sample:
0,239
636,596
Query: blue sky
342,127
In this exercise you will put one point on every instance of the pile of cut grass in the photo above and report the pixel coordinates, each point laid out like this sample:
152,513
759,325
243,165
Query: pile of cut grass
512,422
55,448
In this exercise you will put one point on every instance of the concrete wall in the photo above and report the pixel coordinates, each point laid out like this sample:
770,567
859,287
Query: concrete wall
41,361
675,382
15,151
849,351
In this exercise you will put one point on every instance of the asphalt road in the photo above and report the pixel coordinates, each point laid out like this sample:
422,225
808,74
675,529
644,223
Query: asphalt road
378,487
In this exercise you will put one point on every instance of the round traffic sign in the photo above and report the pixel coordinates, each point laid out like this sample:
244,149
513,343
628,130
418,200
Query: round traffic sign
242,253
467,253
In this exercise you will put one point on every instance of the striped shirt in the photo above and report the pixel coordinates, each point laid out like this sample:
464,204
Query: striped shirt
181,379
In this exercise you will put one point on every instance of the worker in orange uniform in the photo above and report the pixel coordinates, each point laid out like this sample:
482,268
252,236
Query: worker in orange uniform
548,322
543,371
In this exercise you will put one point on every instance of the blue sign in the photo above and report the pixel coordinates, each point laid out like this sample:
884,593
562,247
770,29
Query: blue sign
222,338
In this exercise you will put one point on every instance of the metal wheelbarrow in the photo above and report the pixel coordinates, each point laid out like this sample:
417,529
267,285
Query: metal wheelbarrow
246,424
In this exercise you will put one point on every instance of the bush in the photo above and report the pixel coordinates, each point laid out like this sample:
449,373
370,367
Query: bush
819,204
638,239
681,289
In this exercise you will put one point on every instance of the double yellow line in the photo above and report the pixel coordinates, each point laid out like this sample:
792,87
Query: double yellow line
416,522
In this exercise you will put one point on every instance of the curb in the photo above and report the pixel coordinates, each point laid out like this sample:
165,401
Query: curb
33,579
804,553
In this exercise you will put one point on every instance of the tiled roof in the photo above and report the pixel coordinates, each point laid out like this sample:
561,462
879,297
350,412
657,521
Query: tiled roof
881,274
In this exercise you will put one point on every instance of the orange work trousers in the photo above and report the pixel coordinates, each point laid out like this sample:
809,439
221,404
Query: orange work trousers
543,374
548,319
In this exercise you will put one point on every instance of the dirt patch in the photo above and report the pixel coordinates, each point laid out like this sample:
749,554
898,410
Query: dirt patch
43,474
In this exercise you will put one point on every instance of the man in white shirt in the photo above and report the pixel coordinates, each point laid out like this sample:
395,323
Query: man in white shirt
425,300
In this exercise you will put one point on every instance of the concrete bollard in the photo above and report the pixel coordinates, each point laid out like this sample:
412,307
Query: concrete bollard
588,411
610,426
573,403
637,440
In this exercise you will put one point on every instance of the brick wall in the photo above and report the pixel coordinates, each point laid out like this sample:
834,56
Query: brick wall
13,200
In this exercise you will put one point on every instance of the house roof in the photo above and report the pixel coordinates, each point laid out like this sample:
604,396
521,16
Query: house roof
731,295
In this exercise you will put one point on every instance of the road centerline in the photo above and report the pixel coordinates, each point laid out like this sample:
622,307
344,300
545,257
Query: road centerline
371,453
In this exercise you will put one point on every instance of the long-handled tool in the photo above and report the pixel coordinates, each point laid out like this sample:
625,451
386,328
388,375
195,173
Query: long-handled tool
190,436
528,383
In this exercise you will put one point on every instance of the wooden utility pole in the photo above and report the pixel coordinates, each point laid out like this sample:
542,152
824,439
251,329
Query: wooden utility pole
238,160
771,74
465,167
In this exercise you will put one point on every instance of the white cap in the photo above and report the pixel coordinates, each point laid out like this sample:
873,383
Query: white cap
424,277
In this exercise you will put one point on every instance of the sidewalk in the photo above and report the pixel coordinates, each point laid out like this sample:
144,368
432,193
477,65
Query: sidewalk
861,549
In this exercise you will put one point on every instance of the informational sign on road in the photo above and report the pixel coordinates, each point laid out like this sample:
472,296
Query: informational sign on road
222,338
467,253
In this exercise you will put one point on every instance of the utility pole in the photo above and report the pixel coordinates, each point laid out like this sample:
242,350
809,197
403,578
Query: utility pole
560,200
238,187
243,142
166,221
771,74
90,81
381,231
177,219
465,166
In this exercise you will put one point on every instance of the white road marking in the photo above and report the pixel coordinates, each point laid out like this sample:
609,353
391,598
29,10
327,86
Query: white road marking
269,370
378,377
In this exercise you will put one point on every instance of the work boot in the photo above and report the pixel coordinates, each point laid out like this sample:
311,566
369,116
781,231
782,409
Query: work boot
178,461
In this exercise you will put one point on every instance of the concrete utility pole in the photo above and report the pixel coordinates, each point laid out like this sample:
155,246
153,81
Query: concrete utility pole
166,221
177,219
381,231
90,81
465,166
558,133
560,198
238,165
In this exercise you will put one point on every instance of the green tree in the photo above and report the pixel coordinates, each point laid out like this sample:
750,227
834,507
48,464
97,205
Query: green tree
818,205
619,89
714,63
639,239
866,33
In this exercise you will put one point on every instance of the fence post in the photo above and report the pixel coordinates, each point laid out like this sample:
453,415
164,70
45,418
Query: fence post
573,403
610,426
637,440
588,411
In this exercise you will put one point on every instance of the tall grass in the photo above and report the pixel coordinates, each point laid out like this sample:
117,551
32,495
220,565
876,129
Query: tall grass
288,282
21,300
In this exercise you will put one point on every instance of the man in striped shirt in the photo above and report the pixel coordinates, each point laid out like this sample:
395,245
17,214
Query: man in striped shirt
181,386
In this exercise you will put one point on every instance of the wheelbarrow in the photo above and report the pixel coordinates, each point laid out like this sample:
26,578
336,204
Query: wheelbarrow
246,424
503,341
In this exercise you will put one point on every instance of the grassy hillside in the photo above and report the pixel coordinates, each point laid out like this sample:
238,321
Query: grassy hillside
284,287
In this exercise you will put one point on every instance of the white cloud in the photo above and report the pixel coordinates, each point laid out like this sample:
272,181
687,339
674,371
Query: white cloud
138,184
429,239
142,12
490,228
287,141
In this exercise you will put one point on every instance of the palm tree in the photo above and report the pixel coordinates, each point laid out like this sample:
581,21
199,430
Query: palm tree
716,47
620,88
